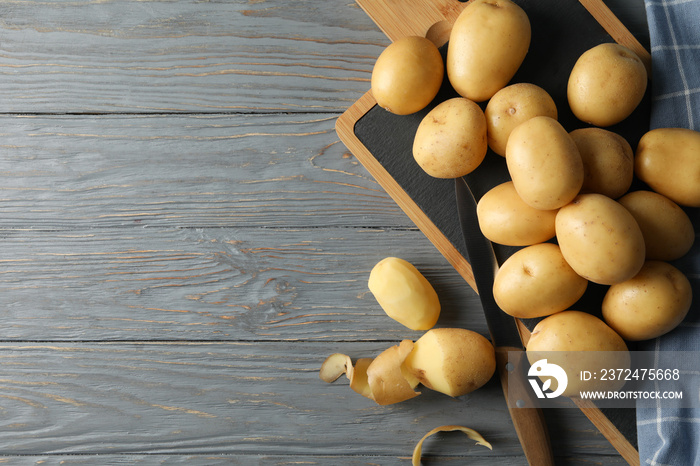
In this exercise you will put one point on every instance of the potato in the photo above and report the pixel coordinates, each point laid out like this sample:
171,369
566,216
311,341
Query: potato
578,341
451,139
600,239
668,232
544,163
606,84
650,304
453,361
407,75
608,161
668,160
536,281
504,218
511,106
404,293
488,43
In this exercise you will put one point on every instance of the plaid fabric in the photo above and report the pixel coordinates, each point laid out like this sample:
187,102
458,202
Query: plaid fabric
671,436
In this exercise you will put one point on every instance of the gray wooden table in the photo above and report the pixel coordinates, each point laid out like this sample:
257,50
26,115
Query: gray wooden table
185,239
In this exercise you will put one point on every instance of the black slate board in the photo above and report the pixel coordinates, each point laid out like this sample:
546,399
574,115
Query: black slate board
561,32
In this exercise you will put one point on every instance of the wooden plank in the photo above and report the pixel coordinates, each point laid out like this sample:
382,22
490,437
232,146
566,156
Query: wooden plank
252,399
236,398
582,459
412,19
184,56
213,284
191,171
632,14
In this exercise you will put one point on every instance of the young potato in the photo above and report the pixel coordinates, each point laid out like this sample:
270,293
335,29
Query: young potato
451,139
504,218
407,75
668,160
578,341
404,293
600,239
606,84
536,281
453,361
668,232
650,304
511,106
488,43
608,161
544,163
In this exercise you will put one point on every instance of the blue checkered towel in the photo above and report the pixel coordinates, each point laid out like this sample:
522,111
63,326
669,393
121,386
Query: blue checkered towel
671,436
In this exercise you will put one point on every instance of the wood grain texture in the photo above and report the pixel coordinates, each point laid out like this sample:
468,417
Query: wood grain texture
267,170
233,399
582,459
411,18
185,239
213,284
184,56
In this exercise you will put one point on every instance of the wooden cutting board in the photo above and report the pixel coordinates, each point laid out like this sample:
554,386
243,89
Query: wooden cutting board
382,142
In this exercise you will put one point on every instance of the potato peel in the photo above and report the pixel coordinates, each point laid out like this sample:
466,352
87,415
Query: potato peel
334,366
382,379
358,382
386,378
471,433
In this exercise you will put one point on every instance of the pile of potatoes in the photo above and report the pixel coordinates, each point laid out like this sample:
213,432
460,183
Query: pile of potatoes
568,204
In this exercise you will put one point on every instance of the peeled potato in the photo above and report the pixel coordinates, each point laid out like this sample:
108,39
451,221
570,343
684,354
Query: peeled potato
404,293
453,361
650,304
407,75
511,106
536,281
505,218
